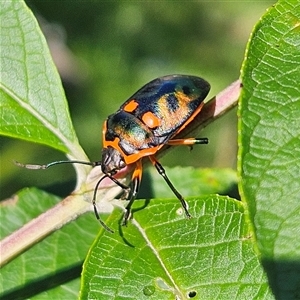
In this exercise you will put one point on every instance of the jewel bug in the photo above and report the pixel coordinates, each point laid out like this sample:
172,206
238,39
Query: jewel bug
147,121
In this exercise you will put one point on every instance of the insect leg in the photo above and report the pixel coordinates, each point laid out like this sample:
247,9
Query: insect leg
162,172
187,142
136,181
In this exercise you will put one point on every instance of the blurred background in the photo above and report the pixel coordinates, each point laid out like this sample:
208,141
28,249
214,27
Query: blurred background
106,50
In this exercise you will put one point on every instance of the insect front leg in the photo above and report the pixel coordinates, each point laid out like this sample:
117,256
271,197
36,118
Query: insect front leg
135,184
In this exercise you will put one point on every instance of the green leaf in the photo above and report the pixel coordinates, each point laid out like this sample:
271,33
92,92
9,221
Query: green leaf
189,181
69,245
270,143
50,269
162,255
33,105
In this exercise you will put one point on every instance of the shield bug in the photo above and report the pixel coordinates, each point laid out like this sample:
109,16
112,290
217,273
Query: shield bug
147,121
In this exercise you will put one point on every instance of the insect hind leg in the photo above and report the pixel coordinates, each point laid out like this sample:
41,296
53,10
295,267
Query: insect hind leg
187,142
162,172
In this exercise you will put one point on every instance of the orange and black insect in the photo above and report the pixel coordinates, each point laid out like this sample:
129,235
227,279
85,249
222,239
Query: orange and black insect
147,121
150,119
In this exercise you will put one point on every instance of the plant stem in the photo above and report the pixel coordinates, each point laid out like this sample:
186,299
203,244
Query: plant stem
40,227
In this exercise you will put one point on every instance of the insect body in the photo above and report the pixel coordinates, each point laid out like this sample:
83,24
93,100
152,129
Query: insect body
150,119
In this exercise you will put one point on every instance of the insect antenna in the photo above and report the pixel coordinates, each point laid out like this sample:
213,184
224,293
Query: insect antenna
59,162
94,164
117,182
95,206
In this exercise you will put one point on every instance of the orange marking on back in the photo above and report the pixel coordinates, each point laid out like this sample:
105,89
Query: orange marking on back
151,120
191,118
131,106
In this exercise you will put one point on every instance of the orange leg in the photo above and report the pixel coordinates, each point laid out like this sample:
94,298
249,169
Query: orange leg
187,142
162,172
135,184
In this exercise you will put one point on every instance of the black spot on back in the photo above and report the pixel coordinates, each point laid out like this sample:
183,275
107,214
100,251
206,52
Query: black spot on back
172,102
187,90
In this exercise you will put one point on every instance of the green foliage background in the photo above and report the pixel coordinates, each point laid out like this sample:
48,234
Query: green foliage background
230,249
106,50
